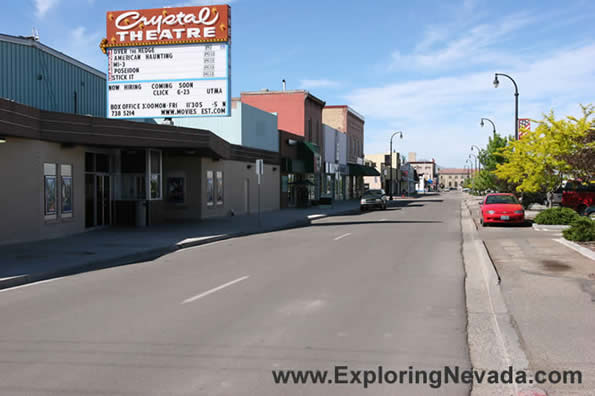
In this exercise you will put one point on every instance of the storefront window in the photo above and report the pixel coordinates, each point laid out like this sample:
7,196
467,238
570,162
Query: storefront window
313,186
291,196
50,191
176,189
210,189
219,188
66,181
329,185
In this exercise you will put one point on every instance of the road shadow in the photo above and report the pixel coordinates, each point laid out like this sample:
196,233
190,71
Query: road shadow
526,224
326,223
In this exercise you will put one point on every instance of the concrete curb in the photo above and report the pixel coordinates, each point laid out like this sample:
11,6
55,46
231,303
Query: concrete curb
588,253
494,343
549,227
154,253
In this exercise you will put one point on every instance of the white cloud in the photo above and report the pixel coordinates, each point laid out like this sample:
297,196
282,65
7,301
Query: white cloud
321,83
440,116
472,45
84,46
43,6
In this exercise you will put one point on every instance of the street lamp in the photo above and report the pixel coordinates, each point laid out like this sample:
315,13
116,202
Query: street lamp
475,167
490,121
478,152
469,167
516,102
391,161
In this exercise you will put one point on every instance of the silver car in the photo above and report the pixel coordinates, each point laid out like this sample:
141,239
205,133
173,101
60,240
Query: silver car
373,199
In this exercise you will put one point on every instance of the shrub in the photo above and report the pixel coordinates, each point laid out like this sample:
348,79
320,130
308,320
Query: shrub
557,216
581,230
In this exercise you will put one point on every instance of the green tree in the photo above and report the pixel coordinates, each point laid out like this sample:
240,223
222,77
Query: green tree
490,158
543,158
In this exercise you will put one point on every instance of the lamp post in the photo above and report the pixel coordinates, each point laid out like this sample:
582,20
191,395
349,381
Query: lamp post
391,161
516,102
478,160
491,122
469,167
475,167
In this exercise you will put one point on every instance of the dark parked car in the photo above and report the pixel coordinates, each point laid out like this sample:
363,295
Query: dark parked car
373,199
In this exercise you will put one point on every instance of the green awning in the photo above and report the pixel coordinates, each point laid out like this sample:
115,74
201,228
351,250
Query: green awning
308,153
312,147
362,170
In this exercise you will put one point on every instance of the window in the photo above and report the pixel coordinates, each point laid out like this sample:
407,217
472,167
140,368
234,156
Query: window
501,199
210,189
176,189
155,167
309,130
66,184
219,188
50,191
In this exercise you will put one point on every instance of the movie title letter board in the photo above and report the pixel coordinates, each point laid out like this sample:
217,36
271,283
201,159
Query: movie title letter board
172,62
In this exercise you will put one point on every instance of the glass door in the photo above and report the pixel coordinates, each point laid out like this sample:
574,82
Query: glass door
103,200
89,200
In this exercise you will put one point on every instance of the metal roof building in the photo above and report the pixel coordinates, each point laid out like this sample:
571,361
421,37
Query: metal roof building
36,75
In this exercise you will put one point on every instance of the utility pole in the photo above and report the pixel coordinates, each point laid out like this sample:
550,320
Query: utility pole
391,161
259,174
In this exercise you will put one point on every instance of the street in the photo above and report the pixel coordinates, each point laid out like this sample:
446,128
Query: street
380,288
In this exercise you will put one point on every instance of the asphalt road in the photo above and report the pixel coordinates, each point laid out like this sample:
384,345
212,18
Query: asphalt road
382,288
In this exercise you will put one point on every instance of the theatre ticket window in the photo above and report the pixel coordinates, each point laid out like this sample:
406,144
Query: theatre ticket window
66,187
176,189
210,189
219,188
50,191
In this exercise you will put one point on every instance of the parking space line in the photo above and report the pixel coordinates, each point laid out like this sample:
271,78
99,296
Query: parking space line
342,236
201,295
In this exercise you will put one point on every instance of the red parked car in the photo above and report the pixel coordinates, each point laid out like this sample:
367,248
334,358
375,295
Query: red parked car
501,209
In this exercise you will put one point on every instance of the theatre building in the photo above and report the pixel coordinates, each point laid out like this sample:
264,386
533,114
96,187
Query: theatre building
65,168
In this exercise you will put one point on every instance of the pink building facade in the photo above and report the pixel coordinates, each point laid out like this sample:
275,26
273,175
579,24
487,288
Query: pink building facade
298,111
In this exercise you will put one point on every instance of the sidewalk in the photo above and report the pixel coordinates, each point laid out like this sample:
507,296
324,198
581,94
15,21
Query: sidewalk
549,290
34,261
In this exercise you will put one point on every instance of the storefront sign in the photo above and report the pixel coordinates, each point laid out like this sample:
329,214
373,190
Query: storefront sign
167,63
175,25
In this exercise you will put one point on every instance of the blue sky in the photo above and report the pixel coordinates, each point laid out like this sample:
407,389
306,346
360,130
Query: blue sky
423,67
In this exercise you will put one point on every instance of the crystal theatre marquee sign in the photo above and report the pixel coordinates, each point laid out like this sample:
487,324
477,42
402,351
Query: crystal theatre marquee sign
168,62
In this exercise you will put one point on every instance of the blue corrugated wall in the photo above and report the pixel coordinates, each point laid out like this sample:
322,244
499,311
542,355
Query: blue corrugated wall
36,78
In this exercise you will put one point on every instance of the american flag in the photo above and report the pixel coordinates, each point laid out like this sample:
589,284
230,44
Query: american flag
524,126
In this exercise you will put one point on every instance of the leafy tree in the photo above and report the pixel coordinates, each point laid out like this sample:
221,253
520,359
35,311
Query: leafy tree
490,158
543,158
